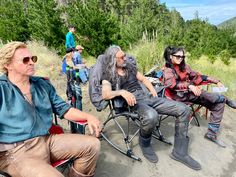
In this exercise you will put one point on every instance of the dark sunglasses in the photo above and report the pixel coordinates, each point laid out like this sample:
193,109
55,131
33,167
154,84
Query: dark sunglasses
26,60
179,56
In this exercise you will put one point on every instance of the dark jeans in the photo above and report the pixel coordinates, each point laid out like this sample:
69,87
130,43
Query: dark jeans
150,107
212,101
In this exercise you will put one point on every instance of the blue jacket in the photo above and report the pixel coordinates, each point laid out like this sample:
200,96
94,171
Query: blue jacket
19,120
70,41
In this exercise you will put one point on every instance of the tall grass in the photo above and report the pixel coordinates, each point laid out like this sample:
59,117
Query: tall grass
147,53
226,74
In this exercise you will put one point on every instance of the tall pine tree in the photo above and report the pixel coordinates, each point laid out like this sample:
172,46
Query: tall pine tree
13,21
45,23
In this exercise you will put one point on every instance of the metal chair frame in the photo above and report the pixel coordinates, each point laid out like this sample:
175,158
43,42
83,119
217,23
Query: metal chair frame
131,118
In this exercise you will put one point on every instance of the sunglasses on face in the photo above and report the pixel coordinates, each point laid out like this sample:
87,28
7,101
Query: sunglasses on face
26,60
182,57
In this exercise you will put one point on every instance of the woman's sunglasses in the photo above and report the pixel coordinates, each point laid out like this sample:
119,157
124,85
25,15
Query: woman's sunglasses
26,60
179,56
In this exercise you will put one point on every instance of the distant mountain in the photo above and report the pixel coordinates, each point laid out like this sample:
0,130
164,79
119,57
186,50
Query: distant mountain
228,23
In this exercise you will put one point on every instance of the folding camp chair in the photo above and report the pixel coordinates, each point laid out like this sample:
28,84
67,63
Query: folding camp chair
113,122
195,108
127,124
74,95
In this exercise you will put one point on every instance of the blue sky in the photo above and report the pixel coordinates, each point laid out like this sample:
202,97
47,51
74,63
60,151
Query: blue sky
216,11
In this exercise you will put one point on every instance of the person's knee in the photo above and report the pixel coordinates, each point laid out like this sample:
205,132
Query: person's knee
184,110
150,120
94,145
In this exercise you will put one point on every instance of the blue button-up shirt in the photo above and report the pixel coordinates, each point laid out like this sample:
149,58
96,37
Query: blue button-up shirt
20,120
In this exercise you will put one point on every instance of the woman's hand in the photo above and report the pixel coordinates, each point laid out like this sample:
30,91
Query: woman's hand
195,89
129,97
94,125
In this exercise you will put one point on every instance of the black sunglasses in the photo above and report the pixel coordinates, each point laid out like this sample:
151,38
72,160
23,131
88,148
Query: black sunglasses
179,56
26,60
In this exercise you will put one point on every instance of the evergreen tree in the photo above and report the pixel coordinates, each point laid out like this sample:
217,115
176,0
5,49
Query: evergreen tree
175,30
45,23
13,21
96,29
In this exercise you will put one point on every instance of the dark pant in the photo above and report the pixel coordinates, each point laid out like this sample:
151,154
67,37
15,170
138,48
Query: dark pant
149,107
212,101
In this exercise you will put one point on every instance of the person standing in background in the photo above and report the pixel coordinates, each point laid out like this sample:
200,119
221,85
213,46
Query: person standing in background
70,41
77,58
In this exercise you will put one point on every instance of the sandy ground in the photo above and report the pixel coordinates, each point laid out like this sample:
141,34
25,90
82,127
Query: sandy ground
215,161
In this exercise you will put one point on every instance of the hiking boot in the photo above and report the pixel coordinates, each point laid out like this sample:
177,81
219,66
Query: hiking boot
148,153
215,140
231,103
180,153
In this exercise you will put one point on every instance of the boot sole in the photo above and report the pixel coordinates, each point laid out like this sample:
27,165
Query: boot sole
174,158
218,142
151,160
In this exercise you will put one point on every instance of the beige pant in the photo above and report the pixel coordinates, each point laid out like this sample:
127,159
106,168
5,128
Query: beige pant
34,156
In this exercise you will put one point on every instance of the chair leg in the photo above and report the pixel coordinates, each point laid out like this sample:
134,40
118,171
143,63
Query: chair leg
77,127
194,116
126,136
128,152
3,174
157,134
196,120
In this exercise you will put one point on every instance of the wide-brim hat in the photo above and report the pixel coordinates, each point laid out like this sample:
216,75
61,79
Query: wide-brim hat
78,47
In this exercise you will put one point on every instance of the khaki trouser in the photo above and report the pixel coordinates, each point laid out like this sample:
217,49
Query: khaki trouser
33,157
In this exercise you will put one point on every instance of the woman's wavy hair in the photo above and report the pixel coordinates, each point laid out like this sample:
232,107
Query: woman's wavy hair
110,63
171,50
7,51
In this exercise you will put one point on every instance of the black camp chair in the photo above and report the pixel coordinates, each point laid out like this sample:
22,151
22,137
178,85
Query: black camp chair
126,123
